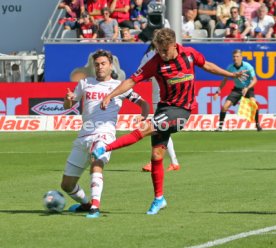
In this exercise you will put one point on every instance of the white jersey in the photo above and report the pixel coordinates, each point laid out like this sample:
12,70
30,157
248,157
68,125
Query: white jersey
95,119
155,86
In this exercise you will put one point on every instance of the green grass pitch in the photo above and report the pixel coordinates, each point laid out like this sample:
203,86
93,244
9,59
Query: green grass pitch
226,186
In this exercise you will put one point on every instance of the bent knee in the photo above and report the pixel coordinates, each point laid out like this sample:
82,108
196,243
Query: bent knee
67,187
158,154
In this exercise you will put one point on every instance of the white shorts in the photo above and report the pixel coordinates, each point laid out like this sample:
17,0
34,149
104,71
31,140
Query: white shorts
78,160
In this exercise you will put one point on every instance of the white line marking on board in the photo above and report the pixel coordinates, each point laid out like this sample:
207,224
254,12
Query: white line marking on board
234,237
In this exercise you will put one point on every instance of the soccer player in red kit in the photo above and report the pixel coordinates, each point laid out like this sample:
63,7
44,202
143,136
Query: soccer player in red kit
174,69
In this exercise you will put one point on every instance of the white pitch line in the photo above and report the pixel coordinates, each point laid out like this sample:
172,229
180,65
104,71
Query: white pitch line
222,151
234,237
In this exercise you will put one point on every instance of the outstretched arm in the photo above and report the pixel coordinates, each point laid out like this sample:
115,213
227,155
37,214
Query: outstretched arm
122,88
213,68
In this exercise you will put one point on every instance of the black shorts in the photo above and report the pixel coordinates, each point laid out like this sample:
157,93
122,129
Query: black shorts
236,95
166,120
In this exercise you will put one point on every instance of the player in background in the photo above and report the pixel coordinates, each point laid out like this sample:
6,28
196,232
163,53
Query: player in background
155,99
98,129
242,88
174,69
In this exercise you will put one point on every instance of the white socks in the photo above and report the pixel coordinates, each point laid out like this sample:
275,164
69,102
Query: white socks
78,195
172,152
96,189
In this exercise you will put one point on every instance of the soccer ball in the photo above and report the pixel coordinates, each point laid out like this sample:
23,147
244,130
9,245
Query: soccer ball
54,201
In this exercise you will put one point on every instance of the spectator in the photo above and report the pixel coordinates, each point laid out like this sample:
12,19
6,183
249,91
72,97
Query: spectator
189,5
73,8
233,33
271,5
207,16
108,27
127,36
120,11
87,28
248,9
262,25
223,12
138,15
94,8
188,25
238,23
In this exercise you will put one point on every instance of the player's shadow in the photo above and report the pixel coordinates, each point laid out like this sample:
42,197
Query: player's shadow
36,212
239,212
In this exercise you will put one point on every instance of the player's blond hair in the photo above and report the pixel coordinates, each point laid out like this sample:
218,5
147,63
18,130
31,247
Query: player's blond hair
164,37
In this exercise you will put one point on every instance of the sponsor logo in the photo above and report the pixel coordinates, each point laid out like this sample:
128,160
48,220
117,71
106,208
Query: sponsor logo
14,123
180,78
54,107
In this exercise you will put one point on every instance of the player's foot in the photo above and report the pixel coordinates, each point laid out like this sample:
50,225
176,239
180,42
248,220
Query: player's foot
156,206
218,129
93,213
147,167
173,167
98,152
258,127
78,208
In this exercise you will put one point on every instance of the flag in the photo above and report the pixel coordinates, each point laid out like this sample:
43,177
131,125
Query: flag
248,109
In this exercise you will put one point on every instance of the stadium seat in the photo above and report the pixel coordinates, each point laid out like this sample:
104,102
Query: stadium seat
68,35
199,35
219,33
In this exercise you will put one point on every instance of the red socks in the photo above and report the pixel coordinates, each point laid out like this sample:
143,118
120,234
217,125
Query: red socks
125,140
157,175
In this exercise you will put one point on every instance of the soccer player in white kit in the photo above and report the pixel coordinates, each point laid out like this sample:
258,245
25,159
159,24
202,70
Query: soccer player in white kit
174,165
98,129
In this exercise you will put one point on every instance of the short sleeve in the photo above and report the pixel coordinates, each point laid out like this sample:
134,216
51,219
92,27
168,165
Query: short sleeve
251,70
147,71
78,92
198,57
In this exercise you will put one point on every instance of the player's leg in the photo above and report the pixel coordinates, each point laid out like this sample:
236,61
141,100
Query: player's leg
145,129
155,98
167,120
96,173
174,162
232,99
96,187
157,176
76,163
222,113
70,185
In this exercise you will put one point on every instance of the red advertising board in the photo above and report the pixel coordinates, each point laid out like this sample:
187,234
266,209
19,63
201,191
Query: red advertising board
265,94
47,98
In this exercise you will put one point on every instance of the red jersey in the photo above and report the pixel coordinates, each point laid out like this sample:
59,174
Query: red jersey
175,77
120,16
99,5
88,30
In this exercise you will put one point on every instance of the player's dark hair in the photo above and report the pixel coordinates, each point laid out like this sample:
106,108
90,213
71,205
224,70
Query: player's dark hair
103,53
